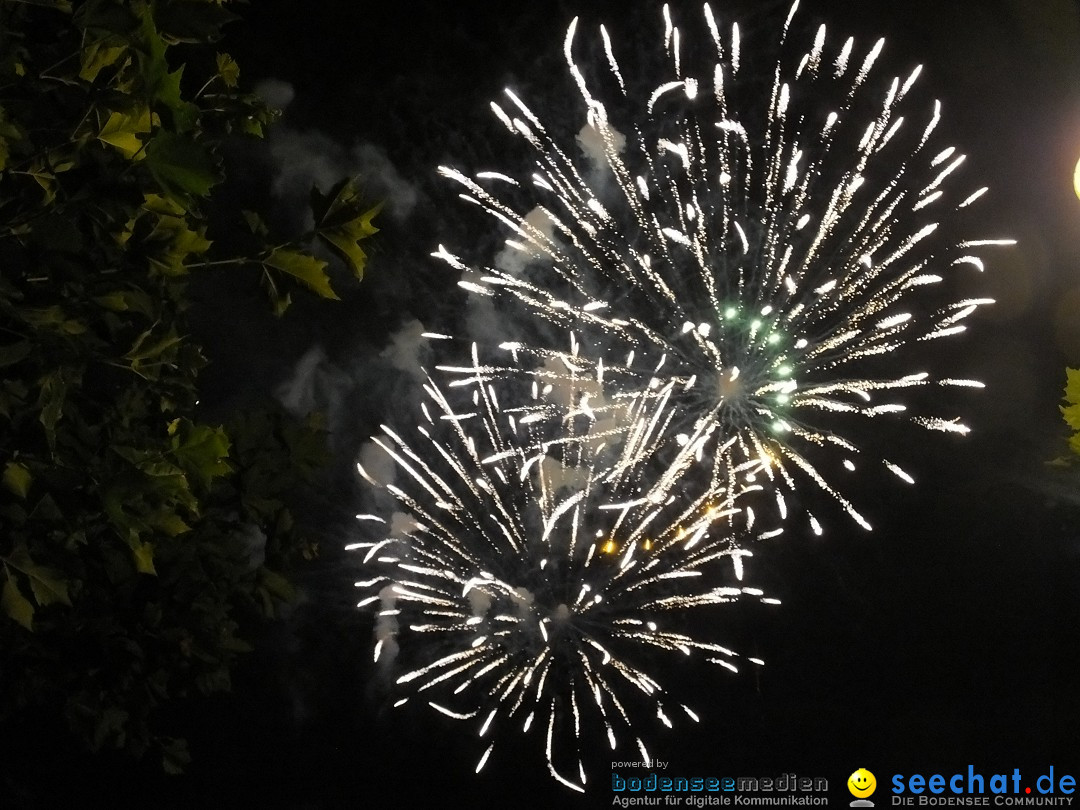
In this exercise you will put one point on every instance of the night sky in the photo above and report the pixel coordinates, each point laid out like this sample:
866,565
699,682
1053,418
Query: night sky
946,637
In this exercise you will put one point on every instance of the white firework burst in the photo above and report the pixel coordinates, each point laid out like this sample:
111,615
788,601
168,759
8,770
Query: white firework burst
527,576
770,254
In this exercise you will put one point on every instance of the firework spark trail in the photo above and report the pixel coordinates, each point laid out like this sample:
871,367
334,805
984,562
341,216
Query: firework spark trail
759,260
638,421
525,576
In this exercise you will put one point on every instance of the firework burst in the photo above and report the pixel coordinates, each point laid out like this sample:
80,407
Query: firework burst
770,255
525,573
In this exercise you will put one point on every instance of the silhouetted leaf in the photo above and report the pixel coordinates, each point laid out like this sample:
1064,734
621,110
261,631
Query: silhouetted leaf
143,554
228,70
1071,411
122,130
15,605
180,165
51,403
342,221
17,478
201,450
305,268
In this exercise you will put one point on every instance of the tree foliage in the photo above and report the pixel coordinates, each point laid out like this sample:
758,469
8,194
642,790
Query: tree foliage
1070,411
134,538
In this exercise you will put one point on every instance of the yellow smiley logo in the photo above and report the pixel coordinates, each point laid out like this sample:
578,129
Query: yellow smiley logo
861,783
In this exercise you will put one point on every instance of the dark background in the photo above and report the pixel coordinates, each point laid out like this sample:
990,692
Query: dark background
946,637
